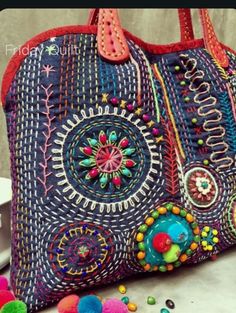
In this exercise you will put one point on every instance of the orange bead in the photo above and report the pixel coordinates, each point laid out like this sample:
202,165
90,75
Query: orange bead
183,257
139,237
169,267
189,218
155,268
196,231
176,210
149,221
147,267
141,255
162,210
193,246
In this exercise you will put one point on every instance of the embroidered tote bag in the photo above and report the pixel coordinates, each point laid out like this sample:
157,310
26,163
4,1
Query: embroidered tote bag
122,155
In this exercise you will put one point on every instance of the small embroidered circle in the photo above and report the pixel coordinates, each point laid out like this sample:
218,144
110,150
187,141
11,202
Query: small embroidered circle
201,187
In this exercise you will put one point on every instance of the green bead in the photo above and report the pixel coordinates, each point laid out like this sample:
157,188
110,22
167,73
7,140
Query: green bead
92,142
197,238
125,300
155,214
200,142
162,268
194,120
186,99
169,206
141,246
177,68
86,162
143,228
205,162
182,83
164,310
113,136
142,262
177,264
183,213
126,172
193,225
129,151
189,252
151,300
204,185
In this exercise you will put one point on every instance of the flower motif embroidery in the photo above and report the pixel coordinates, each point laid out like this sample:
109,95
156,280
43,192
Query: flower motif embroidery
108,159
201,186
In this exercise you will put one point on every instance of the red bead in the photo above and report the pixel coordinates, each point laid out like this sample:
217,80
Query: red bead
161,242
155,132
103,138
93,173
88,150
129,163
146,118
114,101
116,181
130,107
124,143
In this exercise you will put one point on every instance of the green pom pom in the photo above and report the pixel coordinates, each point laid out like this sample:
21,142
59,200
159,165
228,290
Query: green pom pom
14,307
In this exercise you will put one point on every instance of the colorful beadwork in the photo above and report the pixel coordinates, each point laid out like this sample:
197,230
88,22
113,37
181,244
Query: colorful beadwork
116,168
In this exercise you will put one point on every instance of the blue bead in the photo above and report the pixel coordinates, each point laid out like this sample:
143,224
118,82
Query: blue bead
85,226
99,264
95,233
107,248
67,233
64,269
90,304
59,251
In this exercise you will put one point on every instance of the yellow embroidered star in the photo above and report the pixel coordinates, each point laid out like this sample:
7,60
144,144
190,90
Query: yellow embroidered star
104,97
123,104
139,111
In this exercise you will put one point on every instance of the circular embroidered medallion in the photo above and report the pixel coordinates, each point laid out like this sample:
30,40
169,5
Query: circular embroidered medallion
82,249
201,187
169,236
106,159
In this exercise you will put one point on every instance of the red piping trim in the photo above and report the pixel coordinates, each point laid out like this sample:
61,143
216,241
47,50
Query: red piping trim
18,57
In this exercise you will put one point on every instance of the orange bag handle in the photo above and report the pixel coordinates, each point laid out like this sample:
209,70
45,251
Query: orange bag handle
113,47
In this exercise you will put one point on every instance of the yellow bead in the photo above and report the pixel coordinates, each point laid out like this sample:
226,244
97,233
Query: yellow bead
149,221
215,240
139,237
141,255
207,228
162,210
215,232
189,218
122,289
132,307
204,234
176,210
204,243
209,248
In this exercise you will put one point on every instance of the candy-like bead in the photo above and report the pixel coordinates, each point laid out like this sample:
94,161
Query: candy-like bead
130,107
132,307
151,300
155,132
170,304
125,300
93,173
122,289
164,310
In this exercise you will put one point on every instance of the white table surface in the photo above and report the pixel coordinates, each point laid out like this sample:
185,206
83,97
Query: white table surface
209,287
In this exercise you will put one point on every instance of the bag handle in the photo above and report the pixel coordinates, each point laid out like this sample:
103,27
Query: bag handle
112,44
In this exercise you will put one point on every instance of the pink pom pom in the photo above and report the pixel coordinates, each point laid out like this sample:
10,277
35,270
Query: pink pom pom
3,283
5,297
114,306
68,304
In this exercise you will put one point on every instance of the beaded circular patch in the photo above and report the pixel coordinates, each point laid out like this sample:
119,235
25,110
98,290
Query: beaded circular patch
105,159
81,249
201,187
169,236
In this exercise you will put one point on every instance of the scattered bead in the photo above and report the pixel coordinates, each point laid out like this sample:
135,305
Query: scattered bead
146,118
68,304
122,289
162,242
151,300
130,107
132,307
114,101
194,120
206,162
163,310
170,304
186,99
125,300
177,68
155,132
200,142
182,83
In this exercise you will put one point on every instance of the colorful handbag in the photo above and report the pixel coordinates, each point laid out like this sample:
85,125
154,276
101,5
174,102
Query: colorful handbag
122,155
